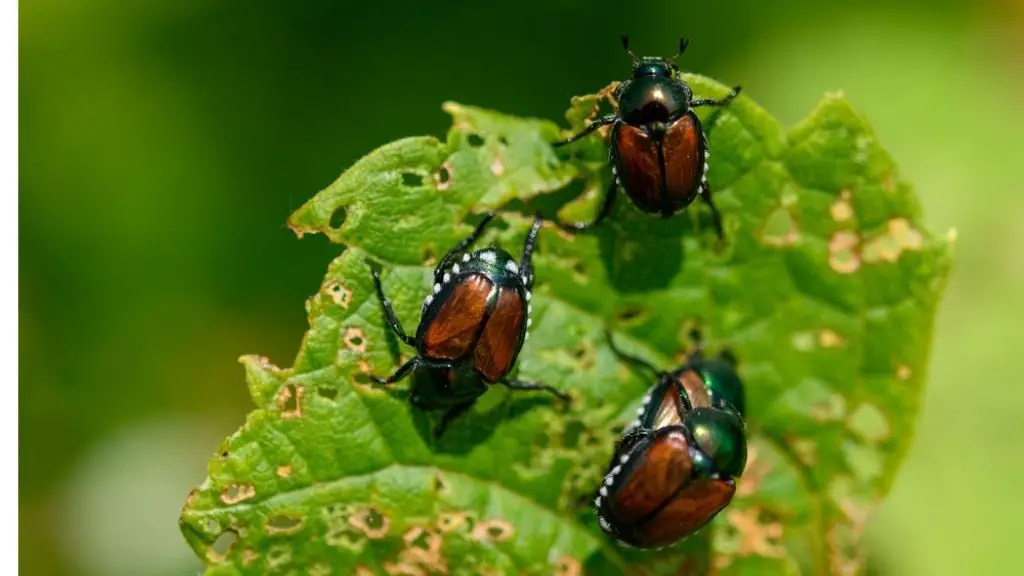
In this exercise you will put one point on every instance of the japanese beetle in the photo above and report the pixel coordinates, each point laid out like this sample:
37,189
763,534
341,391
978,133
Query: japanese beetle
658,149
676,467
473,325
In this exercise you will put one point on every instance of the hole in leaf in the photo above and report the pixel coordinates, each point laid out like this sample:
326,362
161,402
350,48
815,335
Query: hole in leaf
289,401
328,392
568,566
584,355
443,178
419,537
339,293
222,546
370,522
630,314
284,523
769,516
290,398
578,269
374,519
354,340
449,521
411,179
338,217
235,493
493,530
475,140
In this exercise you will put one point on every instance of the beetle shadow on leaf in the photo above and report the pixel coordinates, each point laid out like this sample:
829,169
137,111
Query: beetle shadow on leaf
640,252
401,392
478,426
690,556
394,345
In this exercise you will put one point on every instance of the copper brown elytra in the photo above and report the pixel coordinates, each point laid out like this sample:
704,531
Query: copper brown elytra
473,325
676,466
658,148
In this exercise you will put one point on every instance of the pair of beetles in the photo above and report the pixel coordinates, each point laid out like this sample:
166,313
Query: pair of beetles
677,465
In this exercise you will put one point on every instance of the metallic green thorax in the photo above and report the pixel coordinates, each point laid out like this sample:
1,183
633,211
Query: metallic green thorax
655,93
723,383
653,99
653,66
498,265
719,435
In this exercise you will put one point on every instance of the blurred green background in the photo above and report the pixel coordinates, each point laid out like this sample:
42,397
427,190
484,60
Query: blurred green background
163,144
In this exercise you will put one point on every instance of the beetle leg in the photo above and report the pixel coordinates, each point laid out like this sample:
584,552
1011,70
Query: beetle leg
629,358
719,102
716,216
389,312
520,385
526,262
399,374
695,358
606,209
462,245
452,413
602,121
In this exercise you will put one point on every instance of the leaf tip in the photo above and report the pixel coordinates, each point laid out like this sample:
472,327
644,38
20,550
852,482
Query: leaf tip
298,230
257,361
457,111
835,106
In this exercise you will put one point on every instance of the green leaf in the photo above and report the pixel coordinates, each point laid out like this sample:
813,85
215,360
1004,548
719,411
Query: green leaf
826,290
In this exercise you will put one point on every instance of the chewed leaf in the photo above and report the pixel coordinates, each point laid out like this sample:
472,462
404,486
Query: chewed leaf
825,290
407,200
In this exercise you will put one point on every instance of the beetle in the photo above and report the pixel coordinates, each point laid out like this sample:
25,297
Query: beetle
658,149
675,468
472,327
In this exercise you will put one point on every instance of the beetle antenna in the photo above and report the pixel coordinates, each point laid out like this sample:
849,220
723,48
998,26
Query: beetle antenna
683,43
625,46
